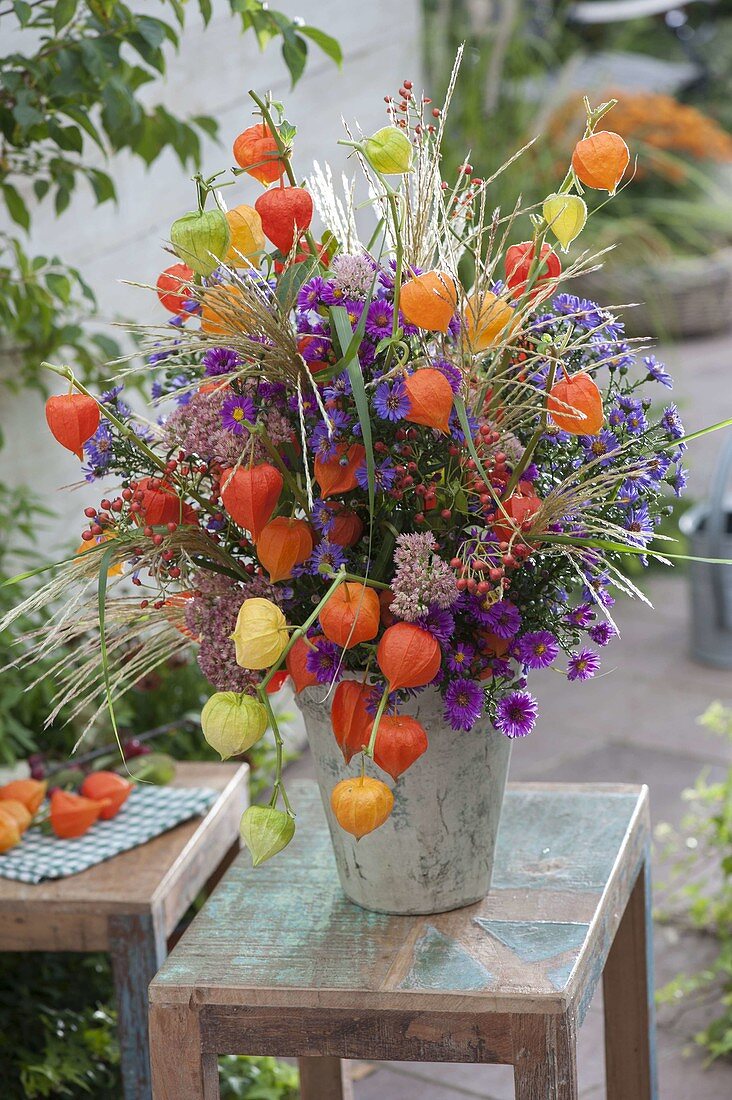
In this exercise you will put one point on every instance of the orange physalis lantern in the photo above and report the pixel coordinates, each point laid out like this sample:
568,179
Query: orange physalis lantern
282,544
361,805
600,160
286,213
488,320
296,663
30,792
429,301
349,717
224,310
256,151
103,786
430,399
20,814
247,238
9,831
400,740
72,814
73,419
172,288
575,403
250,495
346,528
338,474
351,615
518,509
409,656
520,259
159,503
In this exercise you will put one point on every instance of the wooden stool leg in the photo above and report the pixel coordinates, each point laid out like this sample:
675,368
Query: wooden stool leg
180,1070
630,1062
544,1057
137,949
324,1079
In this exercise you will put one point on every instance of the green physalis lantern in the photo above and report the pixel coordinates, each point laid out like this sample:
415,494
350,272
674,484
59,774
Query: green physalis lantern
232,723
266,831
389,151
201,238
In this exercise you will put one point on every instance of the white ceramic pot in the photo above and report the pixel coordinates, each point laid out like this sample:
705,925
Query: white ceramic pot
435,852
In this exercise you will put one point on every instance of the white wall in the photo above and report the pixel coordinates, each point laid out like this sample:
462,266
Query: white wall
210,75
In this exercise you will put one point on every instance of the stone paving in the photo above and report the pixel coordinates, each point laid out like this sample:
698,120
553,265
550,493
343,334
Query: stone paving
635,723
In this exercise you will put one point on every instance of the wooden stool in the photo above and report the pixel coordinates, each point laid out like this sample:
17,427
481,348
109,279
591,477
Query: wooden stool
130,904
280,963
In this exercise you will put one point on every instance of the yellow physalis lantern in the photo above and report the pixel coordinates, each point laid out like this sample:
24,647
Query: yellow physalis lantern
247,237
566,216
488,320
232,723
260,635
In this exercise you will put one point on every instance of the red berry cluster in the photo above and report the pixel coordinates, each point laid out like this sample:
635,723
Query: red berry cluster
399,111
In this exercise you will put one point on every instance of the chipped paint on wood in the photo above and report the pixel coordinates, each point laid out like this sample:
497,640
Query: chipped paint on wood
439,960
537,941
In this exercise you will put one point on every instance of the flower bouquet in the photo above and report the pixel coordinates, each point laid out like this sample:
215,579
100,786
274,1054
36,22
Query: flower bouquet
402,468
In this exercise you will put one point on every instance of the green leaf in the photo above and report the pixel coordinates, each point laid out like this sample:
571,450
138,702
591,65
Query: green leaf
329,45
351,342
295,54
102,185
63,13
16,207
59,286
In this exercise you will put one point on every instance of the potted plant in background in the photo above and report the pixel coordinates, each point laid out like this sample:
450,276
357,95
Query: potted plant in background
406,492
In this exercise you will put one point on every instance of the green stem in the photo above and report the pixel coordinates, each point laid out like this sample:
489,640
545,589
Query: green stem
369,750
274,454
285,155
394,208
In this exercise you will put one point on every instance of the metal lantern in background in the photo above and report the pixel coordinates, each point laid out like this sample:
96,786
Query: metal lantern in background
708,527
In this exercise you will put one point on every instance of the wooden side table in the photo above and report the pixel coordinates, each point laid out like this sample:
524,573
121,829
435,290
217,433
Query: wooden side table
129,905
279,962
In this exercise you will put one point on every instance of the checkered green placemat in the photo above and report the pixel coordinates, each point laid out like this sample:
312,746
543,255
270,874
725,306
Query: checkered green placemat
148,812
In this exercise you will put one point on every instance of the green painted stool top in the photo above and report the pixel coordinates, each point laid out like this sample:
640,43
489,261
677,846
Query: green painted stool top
284,934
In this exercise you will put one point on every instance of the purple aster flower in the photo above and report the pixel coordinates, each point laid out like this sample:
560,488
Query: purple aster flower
338,387
657,371
456,430
326,558
504,619
332,295
322,516
601,446
459,658
580,616
384,476
635,421
234,411
639,523
323,442
584,313
391,401
323,662
537,649
354,309
671,422
463,703
516,714
439,621
99,452
583,665
315,348
602,633
658,466
379,319
678,480
366,353
310,293
220,361
616,416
